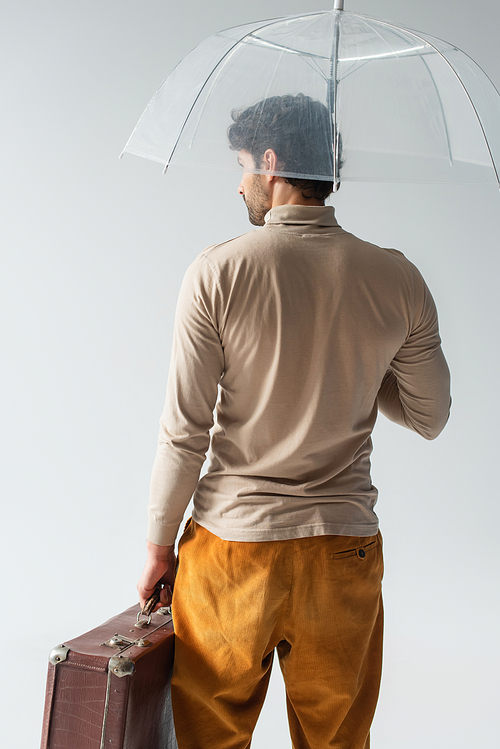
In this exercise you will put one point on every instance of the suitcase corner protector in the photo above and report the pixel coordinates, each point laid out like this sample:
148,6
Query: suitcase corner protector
58,654
121,666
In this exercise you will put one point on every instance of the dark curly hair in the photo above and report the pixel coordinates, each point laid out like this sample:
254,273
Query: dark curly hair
298,129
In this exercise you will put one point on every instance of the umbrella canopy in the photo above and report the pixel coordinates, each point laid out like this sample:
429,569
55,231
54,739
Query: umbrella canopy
377,103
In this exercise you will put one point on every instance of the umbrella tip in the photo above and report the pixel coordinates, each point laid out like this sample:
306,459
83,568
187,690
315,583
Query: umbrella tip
338,5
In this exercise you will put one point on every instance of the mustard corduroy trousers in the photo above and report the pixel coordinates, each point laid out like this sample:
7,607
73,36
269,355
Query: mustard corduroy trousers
316,600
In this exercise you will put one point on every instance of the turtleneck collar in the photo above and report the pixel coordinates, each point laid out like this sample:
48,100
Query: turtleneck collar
300,215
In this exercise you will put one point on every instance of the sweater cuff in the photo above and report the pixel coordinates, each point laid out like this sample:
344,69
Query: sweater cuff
162,535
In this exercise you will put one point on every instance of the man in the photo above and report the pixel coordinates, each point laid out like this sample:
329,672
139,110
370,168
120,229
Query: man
298,333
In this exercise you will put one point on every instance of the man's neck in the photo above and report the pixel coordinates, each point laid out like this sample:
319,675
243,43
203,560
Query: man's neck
285,194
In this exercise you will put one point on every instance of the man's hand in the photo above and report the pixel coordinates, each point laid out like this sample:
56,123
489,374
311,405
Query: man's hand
159,567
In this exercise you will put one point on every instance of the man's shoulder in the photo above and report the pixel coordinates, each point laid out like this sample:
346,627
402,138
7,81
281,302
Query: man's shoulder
228,255
390,254
242,243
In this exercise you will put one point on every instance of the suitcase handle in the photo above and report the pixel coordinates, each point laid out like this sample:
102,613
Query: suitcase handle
147,609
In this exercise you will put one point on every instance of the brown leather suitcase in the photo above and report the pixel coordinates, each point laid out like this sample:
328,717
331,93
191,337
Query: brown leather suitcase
110,688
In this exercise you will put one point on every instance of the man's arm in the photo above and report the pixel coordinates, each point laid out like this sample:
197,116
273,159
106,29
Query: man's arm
196,366
415,391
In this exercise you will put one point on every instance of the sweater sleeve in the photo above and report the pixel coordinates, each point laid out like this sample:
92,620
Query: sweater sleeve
415,391
196,366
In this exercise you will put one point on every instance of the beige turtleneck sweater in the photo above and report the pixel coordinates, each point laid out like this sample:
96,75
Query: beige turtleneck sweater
296,333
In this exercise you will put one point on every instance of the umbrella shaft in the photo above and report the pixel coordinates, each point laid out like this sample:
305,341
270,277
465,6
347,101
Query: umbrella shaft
338,5
333,99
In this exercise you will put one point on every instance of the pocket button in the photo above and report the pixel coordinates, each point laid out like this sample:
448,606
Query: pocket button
361,553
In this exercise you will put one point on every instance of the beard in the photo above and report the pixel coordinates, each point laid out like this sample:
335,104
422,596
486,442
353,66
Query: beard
257,201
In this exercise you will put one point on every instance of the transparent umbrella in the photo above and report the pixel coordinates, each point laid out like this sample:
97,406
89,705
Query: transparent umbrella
401,106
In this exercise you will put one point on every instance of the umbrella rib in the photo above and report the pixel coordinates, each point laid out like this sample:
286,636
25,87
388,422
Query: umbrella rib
282,47
474,108
308,57
277,19
421,56
395,52
470,101
268,89
216,78
448,143
314,66
365,61
353,69
433,46
267,23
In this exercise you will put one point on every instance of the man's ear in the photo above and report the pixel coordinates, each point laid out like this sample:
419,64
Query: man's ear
270,161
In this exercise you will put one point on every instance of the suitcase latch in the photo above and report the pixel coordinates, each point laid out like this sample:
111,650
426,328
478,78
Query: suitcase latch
120,641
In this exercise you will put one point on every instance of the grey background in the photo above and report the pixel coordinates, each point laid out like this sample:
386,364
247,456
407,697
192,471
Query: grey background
93,252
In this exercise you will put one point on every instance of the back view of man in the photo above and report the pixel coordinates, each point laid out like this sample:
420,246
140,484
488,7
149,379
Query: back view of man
298,333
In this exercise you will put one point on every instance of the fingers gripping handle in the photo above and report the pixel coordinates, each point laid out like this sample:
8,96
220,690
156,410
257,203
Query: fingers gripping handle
147,609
